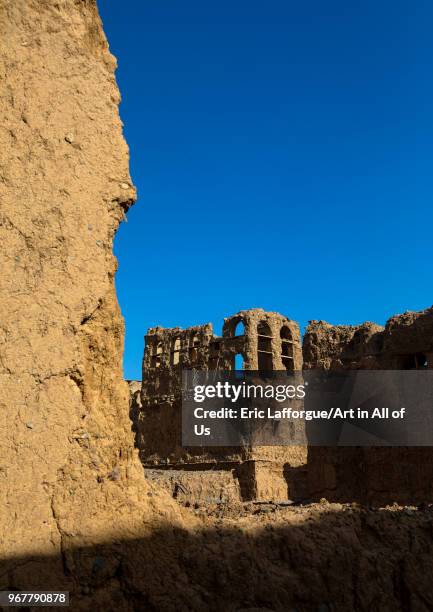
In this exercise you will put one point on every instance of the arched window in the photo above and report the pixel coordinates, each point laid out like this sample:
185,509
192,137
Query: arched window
286,347
413,362
194,345
214,355
157,356
239,329
233,327
239,361
264,346
175,353
421,361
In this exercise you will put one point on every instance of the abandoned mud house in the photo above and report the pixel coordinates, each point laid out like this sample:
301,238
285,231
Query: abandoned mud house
371,475
270,341
264,341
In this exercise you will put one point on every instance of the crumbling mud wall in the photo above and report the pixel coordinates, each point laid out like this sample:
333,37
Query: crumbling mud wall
371,475
266,341
68,471
75,510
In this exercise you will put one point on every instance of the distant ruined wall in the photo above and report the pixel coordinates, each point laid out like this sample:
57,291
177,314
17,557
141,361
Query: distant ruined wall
371,475
267,341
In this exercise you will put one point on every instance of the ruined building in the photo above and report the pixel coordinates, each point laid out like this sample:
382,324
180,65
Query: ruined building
264,341
269,341
371,475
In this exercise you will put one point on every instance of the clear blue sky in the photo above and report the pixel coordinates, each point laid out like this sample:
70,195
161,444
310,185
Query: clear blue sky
282,153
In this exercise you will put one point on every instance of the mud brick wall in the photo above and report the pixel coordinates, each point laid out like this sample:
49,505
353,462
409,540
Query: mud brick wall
266,341
371,475
70,476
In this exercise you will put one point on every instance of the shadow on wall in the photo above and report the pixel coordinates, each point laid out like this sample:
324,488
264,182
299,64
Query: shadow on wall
371,475
326,559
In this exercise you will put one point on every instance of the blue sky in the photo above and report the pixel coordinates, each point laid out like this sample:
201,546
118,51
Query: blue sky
282,153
